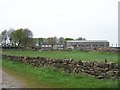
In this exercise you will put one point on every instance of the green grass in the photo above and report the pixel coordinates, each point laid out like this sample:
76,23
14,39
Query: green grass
51,77
0,63
77,55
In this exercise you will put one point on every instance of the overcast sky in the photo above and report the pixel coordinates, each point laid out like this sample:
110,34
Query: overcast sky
92,19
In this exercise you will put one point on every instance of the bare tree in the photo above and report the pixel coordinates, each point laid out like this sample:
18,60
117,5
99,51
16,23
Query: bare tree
10,35
4,37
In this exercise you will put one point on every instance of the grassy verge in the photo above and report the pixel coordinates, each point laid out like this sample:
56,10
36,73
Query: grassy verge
50,77
0,63
77,55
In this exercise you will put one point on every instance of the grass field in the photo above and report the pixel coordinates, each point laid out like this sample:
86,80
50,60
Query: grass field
50,77
77,55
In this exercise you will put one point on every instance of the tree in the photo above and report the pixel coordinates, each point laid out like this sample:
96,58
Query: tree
52,41
80,38
40,41
14,38
55,40
69,39
28,33
4,37
61,40
10,35
27,38
19,35
84,39
22,37
0,39
31,43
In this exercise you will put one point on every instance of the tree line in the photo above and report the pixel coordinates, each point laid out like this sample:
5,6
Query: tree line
17,38
23,37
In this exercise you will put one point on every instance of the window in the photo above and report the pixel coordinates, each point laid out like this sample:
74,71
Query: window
61,45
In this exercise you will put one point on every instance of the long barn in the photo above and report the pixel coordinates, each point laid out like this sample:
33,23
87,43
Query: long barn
86,44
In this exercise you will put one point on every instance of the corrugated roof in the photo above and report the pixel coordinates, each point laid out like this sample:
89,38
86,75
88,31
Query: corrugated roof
87,41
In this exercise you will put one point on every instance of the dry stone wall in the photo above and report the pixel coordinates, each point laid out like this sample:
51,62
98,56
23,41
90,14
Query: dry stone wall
108,49
101,70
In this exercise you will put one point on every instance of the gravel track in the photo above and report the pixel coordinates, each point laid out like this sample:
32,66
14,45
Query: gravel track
7,81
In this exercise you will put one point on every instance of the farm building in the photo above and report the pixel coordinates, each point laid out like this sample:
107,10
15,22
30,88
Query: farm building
50,47
86,44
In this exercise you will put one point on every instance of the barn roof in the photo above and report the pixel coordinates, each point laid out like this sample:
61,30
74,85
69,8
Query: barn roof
87,41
